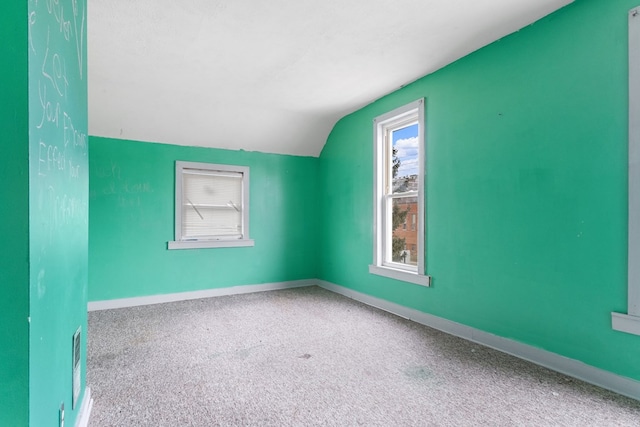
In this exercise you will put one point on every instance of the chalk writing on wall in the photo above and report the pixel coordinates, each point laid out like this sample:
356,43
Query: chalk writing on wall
58,132
112,182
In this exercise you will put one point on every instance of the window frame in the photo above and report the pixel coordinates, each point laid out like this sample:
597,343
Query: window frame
382,126
181,242
630,322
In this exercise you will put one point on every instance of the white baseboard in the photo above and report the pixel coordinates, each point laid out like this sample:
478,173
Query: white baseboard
571,367
207,293
85,409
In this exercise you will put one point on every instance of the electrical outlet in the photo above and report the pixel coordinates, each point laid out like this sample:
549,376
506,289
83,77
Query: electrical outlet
62,414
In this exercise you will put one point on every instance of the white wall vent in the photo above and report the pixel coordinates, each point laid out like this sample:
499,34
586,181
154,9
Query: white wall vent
76,367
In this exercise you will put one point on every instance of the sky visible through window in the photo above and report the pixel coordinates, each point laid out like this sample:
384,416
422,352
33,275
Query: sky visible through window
405,140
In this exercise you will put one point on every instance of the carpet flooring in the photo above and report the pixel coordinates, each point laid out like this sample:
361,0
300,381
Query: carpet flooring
309,357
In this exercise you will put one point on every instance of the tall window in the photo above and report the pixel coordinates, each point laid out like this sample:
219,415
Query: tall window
399,192
212,206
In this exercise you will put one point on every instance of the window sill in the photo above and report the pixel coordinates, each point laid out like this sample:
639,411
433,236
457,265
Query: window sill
202,244
625,323
405,276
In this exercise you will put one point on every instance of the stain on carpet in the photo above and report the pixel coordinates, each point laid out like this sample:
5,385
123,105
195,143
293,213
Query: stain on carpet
418,373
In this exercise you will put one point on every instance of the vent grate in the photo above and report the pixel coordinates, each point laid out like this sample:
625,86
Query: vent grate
76,367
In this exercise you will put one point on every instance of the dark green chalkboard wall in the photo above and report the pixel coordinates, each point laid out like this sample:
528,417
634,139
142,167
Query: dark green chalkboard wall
14,226
58,202
132,219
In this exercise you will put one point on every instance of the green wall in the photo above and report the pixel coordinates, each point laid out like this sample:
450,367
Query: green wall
526,189
58,203
132,219
14,227
44,172
526,197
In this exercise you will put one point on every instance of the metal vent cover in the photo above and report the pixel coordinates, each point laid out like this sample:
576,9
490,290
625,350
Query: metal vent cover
76,366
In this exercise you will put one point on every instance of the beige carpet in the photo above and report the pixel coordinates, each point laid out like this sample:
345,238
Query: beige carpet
306,357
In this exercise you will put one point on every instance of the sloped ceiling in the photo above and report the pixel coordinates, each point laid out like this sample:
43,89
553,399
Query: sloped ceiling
271,76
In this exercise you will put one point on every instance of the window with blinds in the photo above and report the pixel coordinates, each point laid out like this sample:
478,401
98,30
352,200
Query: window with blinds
211,206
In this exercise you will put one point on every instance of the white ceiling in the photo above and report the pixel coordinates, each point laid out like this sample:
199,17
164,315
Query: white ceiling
271,76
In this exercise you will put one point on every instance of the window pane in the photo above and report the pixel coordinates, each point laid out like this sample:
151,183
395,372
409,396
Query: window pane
212,189
210,222
404,240
212,205
405,159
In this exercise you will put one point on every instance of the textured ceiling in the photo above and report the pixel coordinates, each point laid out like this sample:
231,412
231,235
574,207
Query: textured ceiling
271,76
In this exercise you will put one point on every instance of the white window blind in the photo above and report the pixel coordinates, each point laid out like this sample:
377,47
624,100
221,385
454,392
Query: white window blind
211,204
